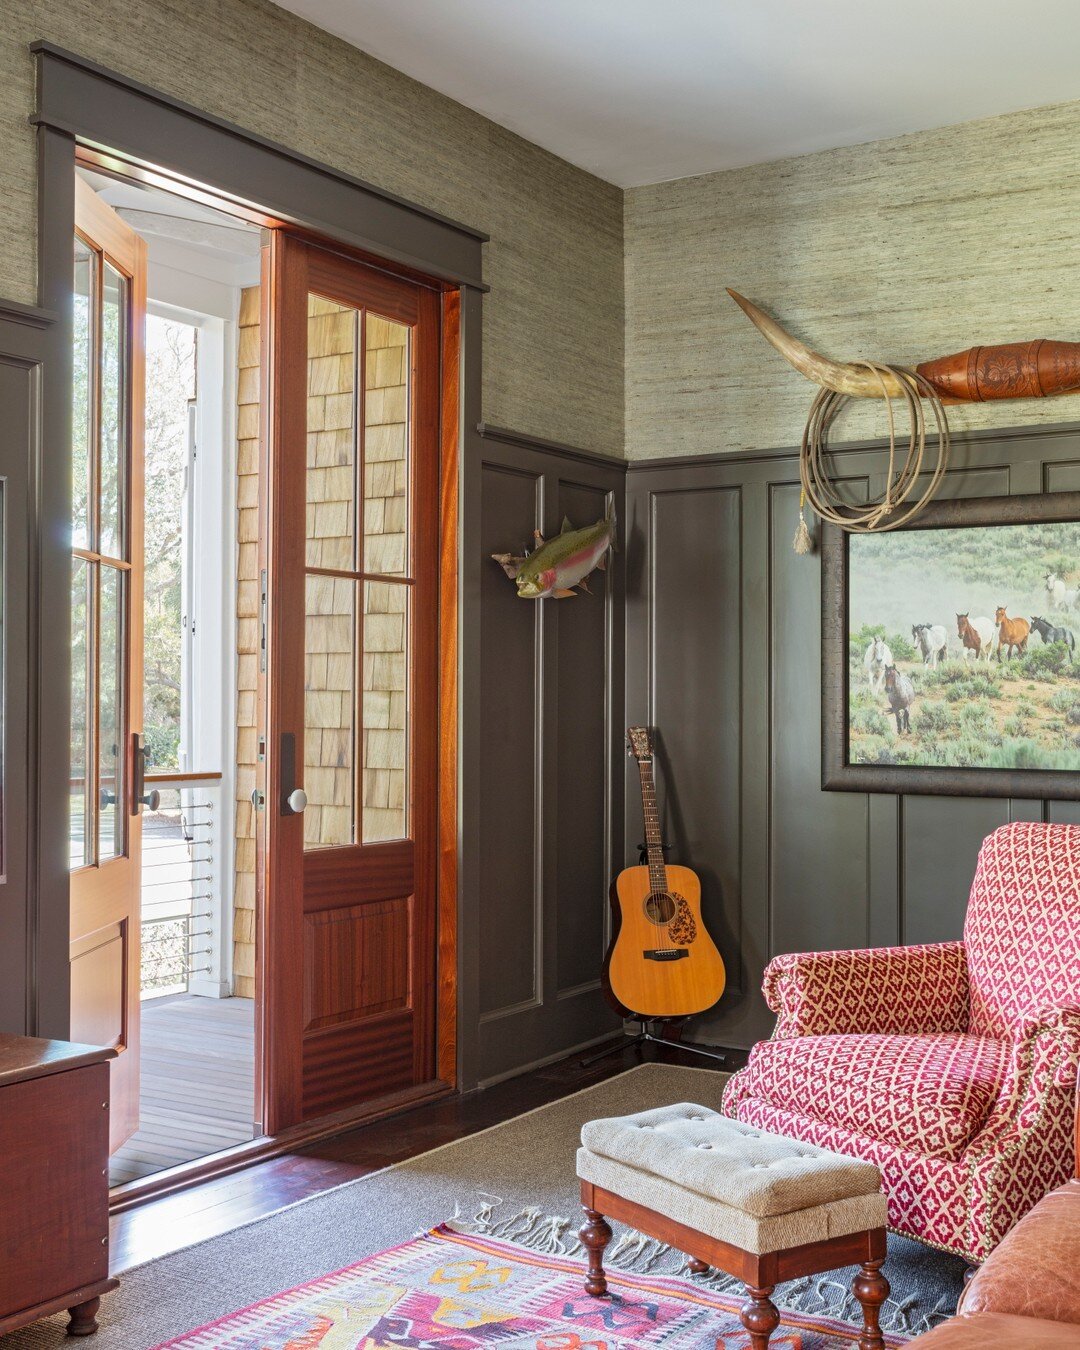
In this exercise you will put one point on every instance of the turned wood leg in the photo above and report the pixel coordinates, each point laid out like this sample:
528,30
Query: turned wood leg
595,1233
697,1267
871,1288
83,1318
759,1316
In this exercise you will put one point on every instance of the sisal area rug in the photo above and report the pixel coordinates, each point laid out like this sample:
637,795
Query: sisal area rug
452,1291
514,1182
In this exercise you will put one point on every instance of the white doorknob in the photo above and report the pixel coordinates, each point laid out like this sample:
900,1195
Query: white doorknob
297,800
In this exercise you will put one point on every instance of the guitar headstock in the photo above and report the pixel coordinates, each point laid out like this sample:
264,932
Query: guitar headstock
641,744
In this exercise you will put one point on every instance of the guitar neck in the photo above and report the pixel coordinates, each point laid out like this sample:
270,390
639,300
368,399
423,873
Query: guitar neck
653,844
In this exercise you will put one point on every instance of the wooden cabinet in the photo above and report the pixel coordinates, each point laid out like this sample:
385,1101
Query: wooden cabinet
54,1181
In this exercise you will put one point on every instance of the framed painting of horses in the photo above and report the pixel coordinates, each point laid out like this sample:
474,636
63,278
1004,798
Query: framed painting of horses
949,651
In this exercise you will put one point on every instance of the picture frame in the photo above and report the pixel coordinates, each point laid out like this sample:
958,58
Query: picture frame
999,722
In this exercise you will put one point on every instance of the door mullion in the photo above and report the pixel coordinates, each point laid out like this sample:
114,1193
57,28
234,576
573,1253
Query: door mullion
93,721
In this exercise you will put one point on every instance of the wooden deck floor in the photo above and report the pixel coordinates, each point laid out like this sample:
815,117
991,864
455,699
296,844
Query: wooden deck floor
198,1083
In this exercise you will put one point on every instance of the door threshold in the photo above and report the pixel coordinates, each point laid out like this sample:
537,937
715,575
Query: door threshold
185,1175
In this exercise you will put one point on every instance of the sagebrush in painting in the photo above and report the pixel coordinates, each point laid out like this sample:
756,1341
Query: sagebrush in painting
979,626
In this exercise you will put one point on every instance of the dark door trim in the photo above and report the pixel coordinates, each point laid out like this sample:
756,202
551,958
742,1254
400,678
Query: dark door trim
149,130
83,105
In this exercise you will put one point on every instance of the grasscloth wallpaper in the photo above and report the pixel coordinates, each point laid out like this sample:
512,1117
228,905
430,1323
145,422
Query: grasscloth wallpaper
553,335
899,250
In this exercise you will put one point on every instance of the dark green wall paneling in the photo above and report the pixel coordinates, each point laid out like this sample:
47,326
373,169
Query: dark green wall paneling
803,858
693,646
730,617
510,680
23,335
541,748
583,741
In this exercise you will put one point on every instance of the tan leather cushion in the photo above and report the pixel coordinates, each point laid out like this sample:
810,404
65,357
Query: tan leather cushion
1035,1270
987,1331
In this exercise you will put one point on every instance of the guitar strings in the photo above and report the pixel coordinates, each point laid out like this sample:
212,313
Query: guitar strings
648,798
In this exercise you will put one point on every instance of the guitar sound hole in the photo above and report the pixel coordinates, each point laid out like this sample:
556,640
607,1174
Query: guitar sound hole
660,908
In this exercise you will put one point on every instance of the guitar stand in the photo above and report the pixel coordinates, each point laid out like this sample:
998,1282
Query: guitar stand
646,1036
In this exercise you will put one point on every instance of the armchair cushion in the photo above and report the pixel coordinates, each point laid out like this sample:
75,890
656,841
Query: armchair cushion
930,1094
901,991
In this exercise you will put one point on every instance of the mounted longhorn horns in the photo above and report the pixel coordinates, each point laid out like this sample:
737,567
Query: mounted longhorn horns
1013,370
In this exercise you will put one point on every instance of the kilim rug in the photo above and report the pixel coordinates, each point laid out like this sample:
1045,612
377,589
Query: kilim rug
448,1290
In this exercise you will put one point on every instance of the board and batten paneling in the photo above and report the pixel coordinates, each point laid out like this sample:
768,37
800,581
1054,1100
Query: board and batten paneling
542,786
33,948
724,658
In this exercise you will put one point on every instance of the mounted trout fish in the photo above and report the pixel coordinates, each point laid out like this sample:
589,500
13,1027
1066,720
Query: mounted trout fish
557,565
1036,369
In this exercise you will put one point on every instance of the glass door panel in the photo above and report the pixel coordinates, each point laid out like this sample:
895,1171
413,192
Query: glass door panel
115,398
386,664
82,428
333,359
330,712
356,657
111,737
386,447
80,831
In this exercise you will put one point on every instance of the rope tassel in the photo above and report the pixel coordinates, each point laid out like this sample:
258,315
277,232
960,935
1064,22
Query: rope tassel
804,540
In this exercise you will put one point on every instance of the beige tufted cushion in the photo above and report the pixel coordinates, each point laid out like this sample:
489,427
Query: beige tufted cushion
729,1180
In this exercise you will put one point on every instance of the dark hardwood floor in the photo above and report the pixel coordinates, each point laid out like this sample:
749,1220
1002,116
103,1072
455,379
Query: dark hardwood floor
212,1207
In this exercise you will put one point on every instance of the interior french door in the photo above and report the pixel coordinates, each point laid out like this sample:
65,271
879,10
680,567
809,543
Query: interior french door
107,643
350,550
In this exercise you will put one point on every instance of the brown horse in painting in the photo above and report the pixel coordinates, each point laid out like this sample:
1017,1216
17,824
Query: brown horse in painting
967,635
1011,633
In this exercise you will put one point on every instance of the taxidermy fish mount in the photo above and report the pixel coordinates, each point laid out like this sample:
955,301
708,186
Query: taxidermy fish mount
557,565
1035,369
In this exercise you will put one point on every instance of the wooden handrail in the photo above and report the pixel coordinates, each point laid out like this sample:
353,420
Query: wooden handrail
180,779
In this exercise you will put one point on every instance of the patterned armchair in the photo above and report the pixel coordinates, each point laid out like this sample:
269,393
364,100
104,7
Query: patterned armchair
951,1066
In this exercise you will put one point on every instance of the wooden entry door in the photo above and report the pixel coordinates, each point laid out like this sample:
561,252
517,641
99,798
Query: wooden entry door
350,553
107,644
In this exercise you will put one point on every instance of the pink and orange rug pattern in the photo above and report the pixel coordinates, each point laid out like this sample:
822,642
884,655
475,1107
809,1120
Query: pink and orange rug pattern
447,1290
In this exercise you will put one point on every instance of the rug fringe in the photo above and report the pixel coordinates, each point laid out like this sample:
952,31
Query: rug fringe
553,1235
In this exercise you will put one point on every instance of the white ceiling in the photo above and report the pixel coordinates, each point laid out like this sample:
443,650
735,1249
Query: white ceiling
638,91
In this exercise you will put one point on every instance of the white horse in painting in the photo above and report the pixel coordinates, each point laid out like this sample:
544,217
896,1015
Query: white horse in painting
932,642
1059,594
878,656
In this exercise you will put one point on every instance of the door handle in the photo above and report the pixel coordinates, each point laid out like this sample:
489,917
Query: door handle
297,800
139,795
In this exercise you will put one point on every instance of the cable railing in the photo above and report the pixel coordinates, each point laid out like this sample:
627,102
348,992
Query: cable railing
180,881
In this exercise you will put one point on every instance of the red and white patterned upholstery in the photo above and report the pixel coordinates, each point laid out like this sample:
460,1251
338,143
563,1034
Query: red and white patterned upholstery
952,1066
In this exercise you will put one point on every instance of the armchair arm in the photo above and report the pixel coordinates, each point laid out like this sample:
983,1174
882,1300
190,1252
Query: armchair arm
892,991
1049,1039
1044,1058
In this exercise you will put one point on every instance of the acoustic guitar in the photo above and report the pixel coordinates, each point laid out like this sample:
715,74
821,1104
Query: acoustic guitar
662,963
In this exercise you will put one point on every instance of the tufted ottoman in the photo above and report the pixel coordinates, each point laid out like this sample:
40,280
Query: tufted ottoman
756,1206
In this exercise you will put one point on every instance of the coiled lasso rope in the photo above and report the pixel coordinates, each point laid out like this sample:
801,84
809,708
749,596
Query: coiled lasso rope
895,507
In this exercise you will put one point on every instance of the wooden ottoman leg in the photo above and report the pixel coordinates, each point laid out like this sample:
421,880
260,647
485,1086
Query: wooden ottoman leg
759,1315
697,1267
83,1318
871,1288
595,1233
